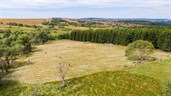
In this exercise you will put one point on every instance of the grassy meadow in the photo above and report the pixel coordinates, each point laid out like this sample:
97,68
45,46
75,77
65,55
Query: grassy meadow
94,58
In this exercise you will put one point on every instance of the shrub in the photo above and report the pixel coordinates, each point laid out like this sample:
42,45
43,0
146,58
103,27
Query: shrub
139,50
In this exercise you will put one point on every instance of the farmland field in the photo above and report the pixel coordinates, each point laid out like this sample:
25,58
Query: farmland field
84,58
23,21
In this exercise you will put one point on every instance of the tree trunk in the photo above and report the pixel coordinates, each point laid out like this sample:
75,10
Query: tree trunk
7,62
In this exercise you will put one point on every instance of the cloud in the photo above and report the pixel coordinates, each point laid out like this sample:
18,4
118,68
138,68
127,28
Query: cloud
85,8
40,4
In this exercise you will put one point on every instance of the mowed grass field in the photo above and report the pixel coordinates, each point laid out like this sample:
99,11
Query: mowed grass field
84,58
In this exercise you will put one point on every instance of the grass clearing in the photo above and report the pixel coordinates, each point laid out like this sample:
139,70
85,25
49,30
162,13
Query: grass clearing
84,58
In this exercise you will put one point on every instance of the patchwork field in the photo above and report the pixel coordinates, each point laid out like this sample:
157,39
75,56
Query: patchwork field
84,58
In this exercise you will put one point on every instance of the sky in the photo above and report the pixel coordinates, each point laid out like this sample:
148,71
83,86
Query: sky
85,8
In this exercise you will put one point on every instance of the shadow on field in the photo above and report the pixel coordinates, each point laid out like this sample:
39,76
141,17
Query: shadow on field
7,88
24,63
27,61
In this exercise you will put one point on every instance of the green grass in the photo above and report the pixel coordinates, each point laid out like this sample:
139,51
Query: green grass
158,70
98,84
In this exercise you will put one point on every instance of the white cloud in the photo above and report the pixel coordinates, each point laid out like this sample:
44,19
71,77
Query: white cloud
125,8
19,4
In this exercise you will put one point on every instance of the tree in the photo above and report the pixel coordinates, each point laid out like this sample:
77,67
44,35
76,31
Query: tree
62,71
7,33
40,36
1,68
25,40
7,56
160,37
139,50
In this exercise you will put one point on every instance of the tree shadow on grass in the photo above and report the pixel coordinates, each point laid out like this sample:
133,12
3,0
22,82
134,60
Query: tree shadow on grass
10,88
24,63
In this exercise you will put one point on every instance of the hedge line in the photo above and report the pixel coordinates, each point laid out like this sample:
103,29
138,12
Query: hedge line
159,36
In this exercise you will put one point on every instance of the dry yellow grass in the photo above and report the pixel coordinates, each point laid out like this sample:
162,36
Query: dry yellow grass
23,21
77,28
84,58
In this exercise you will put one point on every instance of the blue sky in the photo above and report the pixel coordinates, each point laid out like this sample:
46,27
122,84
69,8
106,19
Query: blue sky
85,8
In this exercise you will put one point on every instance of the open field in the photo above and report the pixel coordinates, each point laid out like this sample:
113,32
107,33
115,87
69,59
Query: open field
24,21
20,21
84,58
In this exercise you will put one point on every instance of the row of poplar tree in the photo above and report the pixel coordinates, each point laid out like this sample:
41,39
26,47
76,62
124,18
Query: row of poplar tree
159,36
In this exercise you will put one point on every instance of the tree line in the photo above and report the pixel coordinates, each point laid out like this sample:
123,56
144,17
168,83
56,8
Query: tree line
160,37
22,25
53,22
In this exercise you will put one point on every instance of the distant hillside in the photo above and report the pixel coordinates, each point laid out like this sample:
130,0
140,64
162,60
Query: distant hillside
141,21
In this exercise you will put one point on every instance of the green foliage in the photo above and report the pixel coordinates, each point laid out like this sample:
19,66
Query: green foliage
139,50
45,22
40,36
53,22
6,33
15,24
164,41
13,45
64,36
25,40
160,37
7,55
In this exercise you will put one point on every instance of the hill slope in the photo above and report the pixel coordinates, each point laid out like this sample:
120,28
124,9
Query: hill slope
101,84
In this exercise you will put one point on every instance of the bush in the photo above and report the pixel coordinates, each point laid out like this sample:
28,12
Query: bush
139,50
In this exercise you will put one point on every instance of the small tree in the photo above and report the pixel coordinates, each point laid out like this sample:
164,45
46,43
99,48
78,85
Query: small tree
7,56
63,68
139,50
25,40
